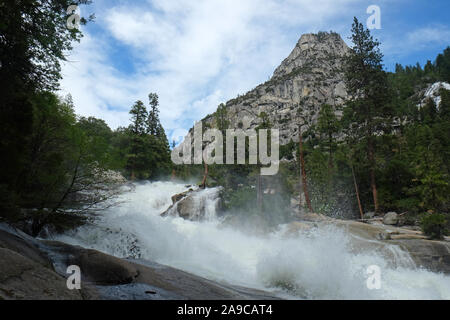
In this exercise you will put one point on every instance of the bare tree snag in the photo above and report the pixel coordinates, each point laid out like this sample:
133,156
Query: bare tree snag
303,171
373,183
259,194
357,193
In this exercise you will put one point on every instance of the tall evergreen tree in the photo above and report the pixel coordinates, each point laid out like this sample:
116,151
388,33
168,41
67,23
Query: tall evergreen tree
139,116
367,84
138,129
153,123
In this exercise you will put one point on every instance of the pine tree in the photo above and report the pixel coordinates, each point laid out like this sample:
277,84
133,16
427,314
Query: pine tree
138,129
153,123
221,118
139,117
367,84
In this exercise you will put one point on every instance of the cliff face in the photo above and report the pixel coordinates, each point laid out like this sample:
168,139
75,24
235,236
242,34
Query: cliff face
308,78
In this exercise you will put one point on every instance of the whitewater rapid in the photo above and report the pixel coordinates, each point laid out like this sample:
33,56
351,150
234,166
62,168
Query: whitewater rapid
317,265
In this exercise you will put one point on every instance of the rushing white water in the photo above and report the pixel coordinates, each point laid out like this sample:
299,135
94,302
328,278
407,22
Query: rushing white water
314,265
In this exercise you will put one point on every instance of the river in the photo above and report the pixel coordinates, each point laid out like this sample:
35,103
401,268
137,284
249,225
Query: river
317,265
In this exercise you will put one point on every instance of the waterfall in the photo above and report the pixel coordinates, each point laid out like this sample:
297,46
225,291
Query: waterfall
319,264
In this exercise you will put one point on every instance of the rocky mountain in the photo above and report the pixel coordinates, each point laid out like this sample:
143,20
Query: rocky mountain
308,78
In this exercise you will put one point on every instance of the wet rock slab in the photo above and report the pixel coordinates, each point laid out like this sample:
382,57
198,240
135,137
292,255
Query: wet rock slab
32,269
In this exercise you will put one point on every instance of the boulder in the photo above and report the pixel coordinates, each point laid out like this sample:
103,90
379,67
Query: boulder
187,208
390,218
195,205
369,215
180,196
176,199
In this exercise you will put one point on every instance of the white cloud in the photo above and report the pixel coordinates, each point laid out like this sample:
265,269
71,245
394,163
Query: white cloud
95,85
421,38
194,54
428,37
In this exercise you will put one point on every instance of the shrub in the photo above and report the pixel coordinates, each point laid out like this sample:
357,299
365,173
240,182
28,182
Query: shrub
434,225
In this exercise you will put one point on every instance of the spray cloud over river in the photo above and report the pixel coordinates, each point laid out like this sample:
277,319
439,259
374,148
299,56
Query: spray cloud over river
313,265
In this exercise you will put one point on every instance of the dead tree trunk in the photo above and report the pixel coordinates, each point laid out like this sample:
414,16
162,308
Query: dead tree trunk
373,183
303,171
357,193
205,177
259,196
330,161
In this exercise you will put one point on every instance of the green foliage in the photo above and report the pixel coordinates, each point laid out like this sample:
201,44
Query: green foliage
65,177
139,119
431,179
222,122
148,156
241,200
55,167
34,40
434,225
287,151
442,65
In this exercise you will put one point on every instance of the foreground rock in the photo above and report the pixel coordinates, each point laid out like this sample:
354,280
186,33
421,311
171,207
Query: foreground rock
31,269
25,272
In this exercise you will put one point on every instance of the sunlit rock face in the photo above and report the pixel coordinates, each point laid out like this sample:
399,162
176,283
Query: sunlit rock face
308,78
433,92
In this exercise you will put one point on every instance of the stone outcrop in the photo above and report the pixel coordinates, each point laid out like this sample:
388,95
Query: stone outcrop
195,205
26,272
23,278
433,92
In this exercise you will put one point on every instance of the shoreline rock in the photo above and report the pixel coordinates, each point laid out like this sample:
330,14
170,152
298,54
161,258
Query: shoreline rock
35,269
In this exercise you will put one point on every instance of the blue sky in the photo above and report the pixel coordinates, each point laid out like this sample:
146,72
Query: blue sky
198,53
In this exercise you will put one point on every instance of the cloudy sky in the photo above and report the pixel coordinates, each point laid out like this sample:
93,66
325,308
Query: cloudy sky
198,53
